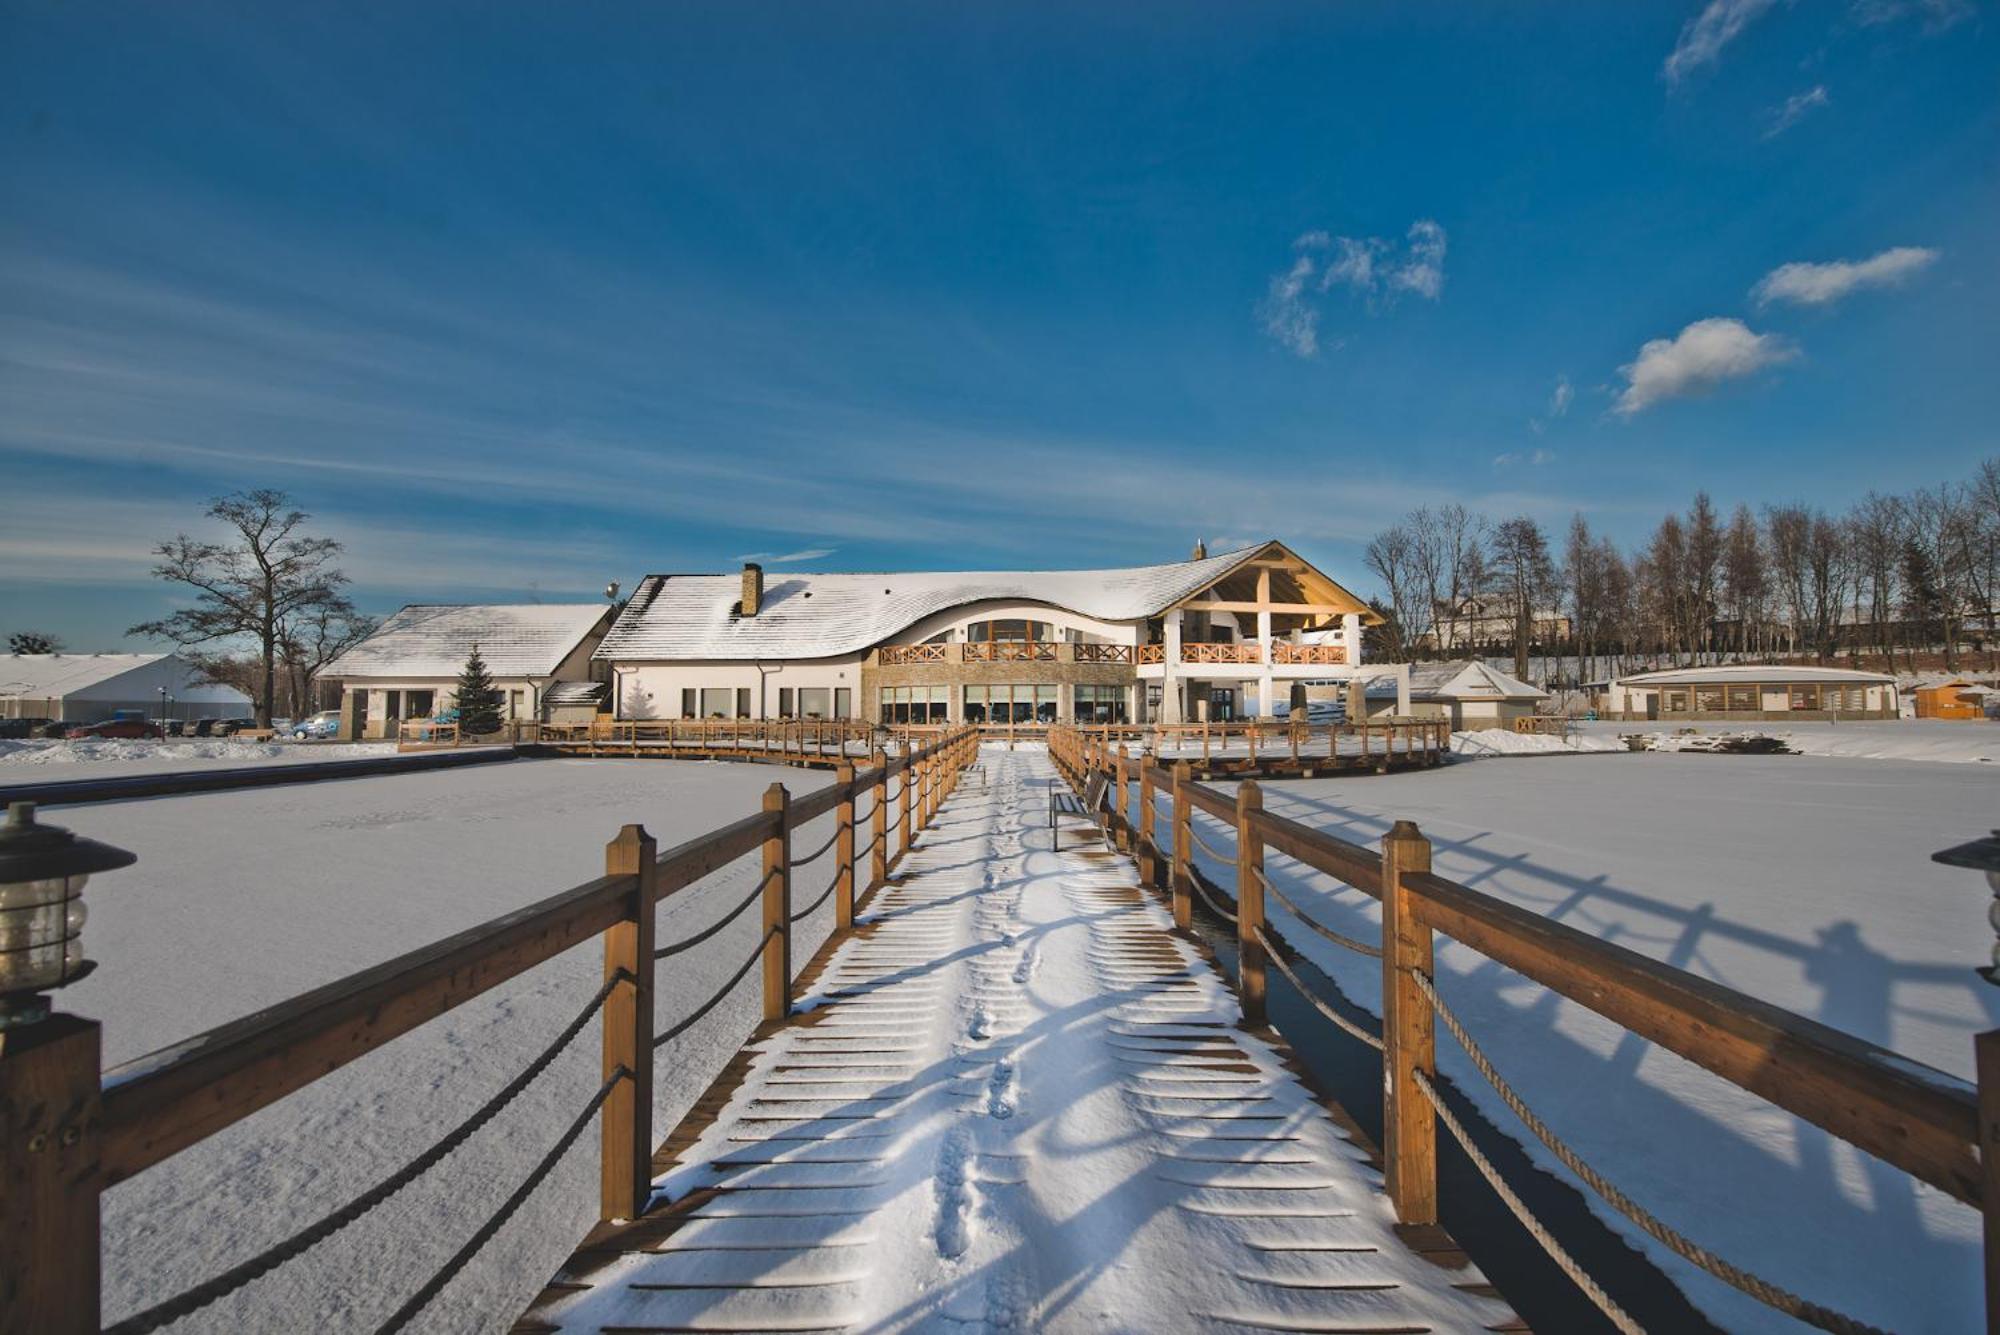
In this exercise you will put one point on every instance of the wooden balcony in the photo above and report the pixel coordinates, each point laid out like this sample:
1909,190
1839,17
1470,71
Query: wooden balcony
1248,651
1103,653
895,655
1284,651
1009,651
1151,653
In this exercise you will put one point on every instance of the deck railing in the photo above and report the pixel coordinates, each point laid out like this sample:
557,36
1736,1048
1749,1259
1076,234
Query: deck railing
1102,653
1009,651
1915,1118
1242,651
68,1134
1284,651
893,655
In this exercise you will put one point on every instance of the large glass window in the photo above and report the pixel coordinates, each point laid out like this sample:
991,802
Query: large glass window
1009,629
1100,704
1743,697
843,702
914,704
717,702
1805,697
1020,702
815,701
420,703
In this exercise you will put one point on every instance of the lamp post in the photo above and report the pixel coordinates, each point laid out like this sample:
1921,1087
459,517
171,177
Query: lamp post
1984,855
51,1110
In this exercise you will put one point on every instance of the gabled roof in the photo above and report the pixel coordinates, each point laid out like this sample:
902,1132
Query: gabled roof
435,639
575,693
1459,679
674,617
1726,673
41,676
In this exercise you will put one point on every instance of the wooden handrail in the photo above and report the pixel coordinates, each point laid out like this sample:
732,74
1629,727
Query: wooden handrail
1920,1120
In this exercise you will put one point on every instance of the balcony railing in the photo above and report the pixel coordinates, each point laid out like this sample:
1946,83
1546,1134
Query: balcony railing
1284,651
1103,653
892,655
1247,652
1010,651
1152,653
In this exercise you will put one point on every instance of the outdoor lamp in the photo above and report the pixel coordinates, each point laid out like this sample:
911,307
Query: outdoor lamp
42,873
1982,855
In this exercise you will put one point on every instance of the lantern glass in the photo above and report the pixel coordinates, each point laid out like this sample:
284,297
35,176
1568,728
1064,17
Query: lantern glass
41,926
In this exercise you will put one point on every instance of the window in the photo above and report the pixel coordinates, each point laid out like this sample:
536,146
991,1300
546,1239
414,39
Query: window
1804,697
914,704
1677,702
1100,704
1707,699
716,701
1743,697
1009,629
1017,703
815,701
784,702
392,704
743,702
843,702
517,704
690,702
422,703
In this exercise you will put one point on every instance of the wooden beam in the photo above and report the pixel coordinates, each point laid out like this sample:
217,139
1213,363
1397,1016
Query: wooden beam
1910,1116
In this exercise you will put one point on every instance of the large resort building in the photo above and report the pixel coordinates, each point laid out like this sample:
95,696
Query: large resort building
1214,637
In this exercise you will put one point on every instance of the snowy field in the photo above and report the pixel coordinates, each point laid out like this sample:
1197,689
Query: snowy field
1803,880
243,899
38,761
1942,740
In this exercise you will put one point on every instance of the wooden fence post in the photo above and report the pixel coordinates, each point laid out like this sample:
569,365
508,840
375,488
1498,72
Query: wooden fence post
778,907
843,848
1149,852
1180,874
51,1121
1249,902
626,1177
1409,1124
878,822
903,800
1122,783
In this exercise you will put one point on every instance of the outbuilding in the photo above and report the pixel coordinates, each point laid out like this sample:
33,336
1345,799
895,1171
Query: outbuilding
409,668
1957,698
1471,694
89,688
1749,693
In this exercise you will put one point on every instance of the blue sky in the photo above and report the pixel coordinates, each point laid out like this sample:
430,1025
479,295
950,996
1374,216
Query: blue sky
522,298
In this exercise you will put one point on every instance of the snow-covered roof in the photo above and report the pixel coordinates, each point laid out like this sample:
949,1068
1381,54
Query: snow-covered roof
824,615
1724,674
575,693
1459,679
45,676
435,639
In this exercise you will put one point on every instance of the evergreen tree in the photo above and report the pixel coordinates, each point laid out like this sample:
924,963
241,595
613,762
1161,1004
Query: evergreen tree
478,699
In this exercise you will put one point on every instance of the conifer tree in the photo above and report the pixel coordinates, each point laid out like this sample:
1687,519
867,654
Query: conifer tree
478,699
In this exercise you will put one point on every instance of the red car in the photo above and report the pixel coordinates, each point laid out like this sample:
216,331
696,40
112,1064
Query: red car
116,727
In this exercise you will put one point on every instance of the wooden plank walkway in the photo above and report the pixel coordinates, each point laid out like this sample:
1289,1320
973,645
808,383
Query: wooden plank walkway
1015,1100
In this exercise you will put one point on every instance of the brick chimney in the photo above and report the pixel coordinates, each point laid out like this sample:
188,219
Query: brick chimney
753,589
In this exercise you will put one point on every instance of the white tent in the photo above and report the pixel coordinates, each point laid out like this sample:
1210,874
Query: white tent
86,688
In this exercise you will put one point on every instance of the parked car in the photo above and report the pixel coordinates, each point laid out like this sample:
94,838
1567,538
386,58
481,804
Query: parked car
201,727
229,727
55,727
114,727
23,727
323,724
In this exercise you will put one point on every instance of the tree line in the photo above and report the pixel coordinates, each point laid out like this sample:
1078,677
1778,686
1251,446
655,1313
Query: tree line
1894,577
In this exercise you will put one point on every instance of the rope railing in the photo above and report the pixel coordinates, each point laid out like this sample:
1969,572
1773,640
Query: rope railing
1206,847
1359,947
813,907
1346,1025
1763,1290
256,1267
822,851
705,933
721,993
515,1199
1201,889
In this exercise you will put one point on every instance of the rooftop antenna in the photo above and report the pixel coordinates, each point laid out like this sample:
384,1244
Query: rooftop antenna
611,591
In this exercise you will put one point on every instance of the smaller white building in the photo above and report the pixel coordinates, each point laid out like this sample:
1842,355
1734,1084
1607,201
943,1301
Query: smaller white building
1471,694
89,688
409,668
1749,692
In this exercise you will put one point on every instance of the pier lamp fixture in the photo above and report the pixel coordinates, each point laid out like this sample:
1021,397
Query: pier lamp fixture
42,873
1982,855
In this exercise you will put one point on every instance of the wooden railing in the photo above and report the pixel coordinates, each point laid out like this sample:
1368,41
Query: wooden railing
1284,651
1244,651
1009,651
1150,653
1918,1119
1543,725
67,1134
1254,743
892,655
1102,653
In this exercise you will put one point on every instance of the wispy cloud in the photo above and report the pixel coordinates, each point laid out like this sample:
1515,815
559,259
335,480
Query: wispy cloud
1936,15
786,558
1559,400
1531,458
1701,41
1379,269
1696,360
1795,107
1806,284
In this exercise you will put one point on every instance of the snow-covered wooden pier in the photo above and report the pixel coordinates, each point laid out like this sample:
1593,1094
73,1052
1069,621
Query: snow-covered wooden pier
1014,1098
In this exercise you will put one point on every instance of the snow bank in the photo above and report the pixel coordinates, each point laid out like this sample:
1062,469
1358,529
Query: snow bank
1803,880
133,755
1501,742
1939,740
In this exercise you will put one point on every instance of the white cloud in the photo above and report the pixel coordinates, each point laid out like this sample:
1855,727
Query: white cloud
1701,356
1560,397
1821,284
1377,268
1937,15
1533,458
1796,106
1702,39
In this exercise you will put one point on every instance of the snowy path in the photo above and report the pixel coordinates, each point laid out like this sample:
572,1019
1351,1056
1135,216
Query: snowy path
1016,1101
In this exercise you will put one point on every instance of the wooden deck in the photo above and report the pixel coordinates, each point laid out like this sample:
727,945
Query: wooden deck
1015,1098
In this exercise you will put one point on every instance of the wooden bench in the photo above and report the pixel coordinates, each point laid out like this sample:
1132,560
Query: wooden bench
1063,802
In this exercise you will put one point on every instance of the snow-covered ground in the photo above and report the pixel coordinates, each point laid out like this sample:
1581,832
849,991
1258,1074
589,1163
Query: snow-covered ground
1803,880
25,761
243,899
1947,740
1501,742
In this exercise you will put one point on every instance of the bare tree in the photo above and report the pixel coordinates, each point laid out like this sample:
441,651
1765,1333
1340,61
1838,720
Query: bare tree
1743,578
1828,572
1667,563
1788,530
1876,527
1521,565
269,576
33,642
1704,565
1391,558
